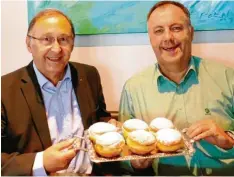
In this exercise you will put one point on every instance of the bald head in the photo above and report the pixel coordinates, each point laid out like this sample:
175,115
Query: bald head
166,3
47,13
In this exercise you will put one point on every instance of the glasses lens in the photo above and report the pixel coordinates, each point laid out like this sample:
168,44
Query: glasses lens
48,40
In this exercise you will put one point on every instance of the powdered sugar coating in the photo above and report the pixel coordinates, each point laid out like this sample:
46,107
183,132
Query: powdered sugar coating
109,139
135,124
160,123
142,137
168,136
102,127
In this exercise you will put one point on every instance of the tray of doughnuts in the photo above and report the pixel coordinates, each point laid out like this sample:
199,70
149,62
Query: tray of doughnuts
136,140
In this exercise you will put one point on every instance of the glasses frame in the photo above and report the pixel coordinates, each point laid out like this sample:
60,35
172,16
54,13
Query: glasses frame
41,39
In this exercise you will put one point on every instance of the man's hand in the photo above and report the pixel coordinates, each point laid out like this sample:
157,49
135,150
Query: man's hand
58,156
141,163
208,130
115,123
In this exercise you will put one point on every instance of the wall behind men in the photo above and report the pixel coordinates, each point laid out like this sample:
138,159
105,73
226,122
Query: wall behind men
117,57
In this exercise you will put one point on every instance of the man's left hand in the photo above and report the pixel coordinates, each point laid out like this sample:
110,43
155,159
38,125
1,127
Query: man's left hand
115,123
208,130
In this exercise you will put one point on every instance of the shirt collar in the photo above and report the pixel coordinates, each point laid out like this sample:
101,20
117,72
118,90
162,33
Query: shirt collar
42,80
193,66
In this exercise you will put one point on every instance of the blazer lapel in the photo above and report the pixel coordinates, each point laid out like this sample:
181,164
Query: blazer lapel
32,93
79,82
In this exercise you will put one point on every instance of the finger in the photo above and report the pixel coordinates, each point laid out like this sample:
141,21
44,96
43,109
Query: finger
136,163
203,135
205,121
143,161
192,128
69,154
198,131
140,161
196,126
119,124
113,122
148,162
64,144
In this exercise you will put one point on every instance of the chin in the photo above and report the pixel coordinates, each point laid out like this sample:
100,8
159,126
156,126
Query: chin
172,58
56,69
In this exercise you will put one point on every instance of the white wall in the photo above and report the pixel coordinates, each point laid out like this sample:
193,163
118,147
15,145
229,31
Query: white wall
14,28
115,63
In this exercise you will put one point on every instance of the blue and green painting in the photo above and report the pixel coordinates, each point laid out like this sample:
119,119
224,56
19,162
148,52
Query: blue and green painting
113,17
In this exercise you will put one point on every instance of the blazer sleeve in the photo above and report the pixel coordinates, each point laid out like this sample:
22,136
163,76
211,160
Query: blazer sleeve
13,163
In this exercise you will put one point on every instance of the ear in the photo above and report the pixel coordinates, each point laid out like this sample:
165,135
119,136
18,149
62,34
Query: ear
28,44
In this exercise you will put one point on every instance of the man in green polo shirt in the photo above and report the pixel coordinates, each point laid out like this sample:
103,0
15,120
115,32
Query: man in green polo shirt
195,94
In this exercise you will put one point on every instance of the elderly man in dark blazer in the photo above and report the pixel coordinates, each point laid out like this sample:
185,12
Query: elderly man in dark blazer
48,102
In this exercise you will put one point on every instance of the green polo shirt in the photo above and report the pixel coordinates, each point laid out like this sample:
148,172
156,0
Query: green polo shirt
207,90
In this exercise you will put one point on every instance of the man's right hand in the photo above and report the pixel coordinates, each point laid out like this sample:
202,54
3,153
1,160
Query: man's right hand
58,156
141,163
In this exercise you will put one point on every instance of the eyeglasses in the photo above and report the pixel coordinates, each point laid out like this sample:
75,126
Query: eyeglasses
49,40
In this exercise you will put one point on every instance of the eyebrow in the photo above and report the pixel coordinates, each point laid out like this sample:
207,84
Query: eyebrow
156,27
177,24
159,26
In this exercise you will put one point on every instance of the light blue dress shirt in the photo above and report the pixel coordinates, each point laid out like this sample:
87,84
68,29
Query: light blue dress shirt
64,120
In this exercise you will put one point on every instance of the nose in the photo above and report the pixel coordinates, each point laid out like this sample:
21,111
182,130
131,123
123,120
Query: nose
55,47
168,35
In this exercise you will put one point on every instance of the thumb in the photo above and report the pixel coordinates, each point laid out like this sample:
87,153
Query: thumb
69,154
64,144
113,122
119,124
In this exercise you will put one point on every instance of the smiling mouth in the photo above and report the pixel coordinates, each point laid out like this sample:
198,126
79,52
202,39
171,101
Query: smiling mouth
54,59
171,49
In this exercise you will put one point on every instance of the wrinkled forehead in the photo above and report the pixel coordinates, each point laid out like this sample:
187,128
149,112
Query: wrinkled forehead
166,14
53,24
